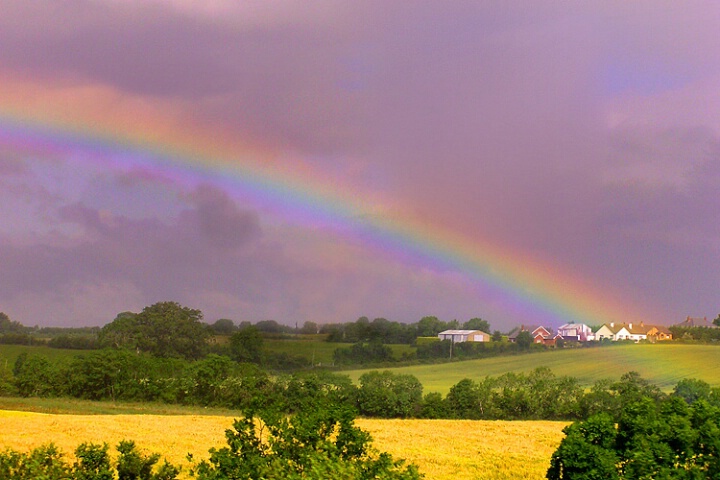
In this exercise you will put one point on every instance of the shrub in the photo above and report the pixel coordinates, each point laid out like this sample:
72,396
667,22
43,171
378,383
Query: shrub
313,444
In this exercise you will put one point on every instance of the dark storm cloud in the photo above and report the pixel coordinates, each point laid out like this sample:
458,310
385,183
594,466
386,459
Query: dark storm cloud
155,256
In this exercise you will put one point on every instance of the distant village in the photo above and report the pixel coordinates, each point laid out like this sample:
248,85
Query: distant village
579,332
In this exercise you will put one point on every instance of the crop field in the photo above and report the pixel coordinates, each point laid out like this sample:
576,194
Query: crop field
443,449
661,364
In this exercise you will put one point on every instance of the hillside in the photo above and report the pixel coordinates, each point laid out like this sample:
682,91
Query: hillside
662,364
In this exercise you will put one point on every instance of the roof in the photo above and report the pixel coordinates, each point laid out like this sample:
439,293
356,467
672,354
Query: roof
573,325
460,332
636,328
528,328
696,322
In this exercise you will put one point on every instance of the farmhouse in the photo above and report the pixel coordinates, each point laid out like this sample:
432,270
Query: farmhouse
459,336
633,331
697,322
576,332
539,334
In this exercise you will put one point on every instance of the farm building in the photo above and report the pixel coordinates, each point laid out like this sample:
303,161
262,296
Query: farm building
459,336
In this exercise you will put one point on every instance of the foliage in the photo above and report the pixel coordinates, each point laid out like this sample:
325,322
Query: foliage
10,326
380,330
114,375
313,444
35,376
93,463
164,329
389,395
586,452
524,340
134,465
477,324
74,342
223,326
246,345
695,334
660,439
363,353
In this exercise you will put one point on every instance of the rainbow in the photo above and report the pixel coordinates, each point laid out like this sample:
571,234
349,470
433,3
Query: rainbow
531,287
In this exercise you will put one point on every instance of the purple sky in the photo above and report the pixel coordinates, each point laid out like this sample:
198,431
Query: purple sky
583,134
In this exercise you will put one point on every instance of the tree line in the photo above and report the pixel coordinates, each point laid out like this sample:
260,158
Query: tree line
219,381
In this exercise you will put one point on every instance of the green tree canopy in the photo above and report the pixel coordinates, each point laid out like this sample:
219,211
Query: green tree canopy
223,326
246,345
10,326
477,324
164,329
524,340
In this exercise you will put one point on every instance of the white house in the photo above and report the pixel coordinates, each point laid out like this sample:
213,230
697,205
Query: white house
578,332
633,331
459,336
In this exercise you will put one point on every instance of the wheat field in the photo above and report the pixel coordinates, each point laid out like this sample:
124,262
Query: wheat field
443,449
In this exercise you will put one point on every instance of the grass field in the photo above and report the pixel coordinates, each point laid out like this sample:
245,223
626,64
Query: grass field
319,352
8,353
661,364
443,449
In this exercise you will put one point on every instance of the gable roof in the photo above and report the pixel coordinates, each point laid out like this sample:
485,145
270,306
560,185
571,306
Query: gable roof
697,322
532,329
641,328
459,332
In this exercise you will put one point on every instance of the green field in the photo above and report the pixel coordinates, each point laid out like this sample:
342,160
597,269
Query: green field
319,352
661,364
8,353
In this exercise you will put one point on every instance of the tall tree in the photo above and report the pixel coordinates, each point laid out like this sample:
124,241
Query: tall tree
477,324
9,326
246,345
164,329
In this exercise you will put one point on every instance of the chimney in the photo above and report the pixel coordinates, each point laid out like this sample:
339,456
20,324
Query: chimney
612,324
630,326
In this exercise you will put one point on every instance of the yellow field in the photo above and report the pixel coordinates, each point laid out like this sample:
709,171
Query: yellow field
443,449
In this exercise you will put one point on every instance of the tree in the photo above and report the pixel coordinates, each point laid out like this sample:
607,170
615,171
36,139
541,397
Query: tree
586,452
524,340
692,390
164,329
717,320
223,326
389,395
10,326
668,439
477,324
429,327
497,336
246,345
310,328
315,443
35,376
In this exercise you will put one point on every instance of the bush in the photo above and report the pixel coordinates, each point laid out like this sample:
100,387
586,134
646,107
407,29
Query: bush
313,444
93,463
663,440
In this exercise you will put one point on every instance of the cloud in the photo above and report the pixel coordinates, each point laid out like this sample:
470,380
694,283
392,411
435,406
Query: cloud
585,135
